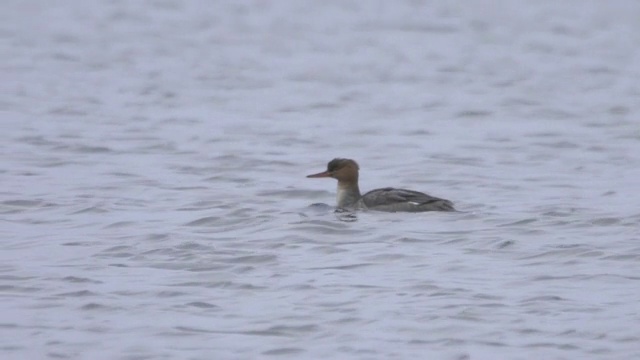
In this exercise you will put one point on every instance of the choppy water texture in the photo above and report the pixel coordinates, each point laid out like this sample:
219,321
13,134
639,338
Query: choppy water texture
154,205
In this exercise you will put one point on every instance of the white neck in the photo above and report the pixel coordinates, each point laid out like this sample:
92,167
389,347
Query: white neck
348,196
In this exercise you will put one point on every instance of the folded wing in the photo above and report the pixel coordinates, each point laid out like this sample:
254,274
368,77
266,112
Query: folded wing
391,199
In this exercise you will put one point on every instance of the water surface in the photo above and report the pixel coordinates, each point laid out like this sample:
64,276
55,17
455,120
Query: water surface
154,204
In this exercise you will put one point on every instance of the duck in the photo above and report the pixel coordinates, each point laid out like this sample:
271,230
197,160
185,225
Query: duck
388,199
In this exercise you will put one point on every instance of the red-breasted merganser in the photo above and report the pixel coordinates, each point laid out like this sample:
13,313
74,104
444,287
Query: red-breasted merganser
386,199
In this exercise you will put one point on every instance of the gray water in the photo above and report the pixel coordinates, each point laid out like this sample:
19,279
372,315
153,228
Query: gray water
154,203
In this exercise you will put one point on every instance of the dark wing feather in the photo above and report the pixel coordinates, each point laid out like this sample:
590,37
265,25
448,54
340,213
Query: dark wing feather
390,199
